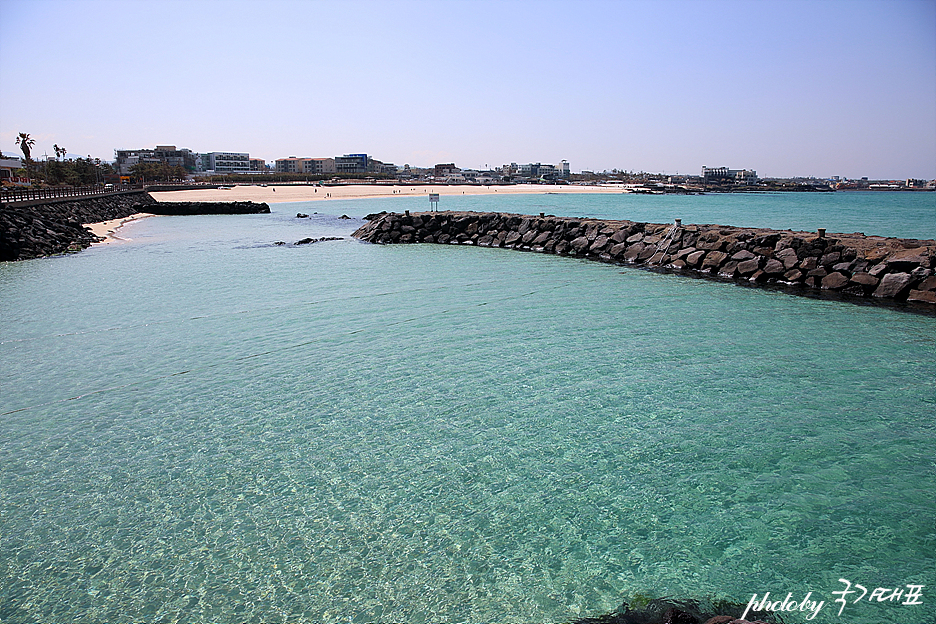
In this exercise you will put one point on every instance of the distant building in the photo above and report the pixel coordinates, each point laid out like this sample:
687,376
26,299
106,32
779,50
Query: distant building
219,162
542,171
227,162
258,165
538,171
288,165
362,163
316,166
8,168
125,159
440,171
351,163
376,166
715,175
453,177
166,154
173,157
320,165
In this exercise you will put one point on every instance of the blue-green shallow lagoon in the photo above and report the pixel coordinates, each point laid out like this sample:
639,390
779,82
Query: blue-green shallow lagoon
899,214
200,426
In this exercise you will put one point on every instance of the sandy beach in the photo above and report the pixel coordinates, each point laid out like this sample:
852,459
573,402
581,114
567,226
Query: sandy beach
299,193
108,229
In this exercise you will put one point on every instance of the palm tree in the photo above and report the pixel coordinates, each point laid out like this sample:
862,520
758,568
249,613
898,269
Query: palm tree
26,143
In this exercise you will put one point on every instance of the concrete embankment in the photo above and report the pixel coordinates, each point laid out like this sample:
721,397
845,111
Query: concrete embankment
873,267
33,230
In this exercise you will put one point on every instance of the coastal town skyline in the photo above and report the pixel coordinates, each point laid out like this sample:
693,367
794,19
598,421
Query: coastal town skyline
194,165
790,89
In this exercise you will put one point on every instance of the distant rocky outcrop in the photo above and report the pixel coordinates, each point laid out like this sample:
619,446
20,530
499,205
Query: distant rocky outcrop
872,267
206,208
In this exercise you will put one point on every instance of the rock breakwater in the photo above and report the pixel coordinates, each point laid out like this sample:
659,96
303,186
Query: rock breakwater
38,230
855,265
34,231
206,208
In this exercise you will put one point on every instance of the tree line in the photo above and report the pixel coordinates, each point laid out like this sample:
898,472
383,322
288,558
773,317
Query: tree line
88,171
62,170
230,178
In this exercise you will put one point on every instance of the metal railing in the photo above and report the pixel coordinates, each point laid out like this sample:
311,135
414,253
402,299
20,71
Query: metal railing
19,195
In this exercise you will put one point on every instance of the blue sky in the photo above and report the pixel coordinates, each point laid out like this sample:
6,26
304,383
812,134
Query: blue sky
786,87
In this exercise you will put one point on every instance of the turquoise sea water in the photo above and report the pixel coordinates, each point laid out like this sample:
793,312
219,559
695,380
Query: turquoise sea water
200,426
905,215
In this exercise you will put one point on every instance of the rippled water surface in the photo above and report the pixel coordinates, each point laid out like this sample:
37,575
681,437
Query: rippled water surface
900,214
201,426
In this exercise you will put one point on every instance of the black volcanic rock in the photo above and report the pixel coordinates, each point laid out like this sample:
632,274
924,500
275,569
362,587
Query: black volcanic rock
849,265
34,231
206,208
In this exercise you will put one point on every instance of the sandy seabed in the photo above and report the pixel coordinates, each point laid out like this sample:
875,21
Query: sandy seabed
108,229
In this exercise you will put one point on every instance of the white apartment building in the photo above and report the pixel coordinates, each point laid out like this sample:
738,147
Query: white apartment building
227,162
538,170
740,176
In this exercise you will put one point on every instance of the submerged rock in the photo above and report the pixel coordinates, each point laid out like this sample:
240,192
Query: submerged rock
671,611
309,241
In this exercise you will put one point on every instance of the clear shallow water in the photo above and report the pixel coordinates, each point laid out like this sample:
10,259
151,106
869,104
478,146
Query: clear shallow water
904,215
201,426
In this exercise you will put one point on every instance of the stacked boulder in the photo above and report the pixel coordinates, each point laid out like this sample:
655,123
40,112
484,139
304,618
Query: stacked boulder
854,264
206,208
36,230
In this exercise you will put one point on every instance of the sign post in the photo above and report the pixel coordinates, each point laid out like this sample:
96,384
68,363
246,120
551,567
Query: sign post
433,202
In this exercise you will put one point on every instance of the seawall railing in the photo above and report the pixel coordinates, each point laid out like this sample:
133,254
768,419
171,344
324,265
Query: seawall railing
8,196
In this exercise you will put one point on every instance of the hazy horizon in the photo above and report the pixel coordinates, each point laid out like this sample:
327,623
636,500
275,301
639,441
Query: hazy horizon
787,88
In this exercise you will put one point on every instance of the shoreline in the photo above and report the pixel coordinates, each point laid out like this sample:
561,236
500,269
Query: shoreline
301,193
107,230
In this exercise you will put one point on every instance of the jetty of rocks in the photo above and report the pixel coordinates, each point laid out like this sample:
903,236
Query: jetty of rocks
206,208
855,265
35,229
